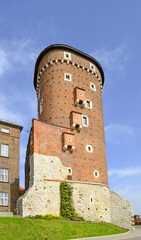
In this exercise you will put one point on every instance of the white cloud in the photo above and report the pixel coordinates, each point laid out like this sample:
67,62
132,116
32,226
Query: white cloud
17,109
112,59
119,134
130,171
12,116
119,128
16,55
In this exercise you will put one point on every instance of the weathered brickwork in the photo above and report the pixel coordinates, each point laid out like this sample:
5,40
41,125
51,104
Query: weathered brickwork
67,143
10,163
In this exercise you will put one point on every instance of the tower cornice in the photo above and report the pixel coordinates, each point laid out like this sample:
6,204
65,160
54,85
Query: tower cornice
65,47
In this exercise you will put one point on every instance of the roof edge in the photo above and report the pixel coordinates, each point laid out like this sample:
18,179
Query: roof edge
63,46
5,122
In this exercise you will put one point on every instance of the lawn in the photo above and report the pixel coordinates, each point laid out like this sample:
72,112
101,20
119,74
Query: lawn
25,229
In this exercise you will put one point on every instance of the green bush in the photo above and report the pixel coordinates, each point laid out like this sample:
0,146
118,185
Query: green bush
38,216
50,217
46,217
67,210
15,211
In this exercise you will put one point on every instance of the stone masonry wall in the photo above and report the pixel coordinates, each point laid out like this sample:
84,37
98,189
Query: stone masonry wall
95,202
91,201
121,211
43,195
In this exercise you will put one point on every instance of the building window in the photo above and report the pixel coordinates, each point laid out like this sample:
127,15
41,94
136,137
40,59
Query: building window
41,105
69,171
92,86
5,130
67,77
91,200
88,104
4,175
96,174
89,148
4,199
4,150
92,67
85,121
67,55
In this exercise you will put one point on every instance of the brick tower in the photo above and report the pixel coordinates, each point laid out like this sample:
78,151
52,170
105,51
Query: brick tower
67,141
69,86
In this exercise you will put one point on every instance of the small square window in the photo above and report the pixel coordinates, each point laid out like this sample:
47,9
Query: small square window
89,148
92,67
92,86
67,55
5,130
4,175
67,77
4,199
96,174
4,150
69,171
41,105
85,121
88,104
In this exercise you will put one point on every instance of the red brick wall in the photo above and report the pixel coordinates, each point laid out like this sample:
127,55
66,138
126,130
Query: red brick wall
58,102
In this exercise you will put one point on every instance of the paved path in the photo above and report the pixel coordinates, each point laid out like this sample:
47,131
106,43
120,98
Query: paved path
133,235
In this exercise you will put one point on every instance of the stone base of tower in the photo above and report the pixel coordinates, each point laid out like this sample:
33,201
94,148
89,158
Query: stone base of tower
95,202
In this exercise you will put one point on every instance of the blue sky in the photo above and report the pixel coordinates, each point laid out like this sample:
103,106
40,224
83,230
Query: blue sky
108,30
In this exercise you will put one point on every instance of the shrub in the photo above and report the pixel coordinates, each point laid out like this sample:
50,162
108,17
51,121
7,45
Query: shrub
50,217
67,210
15,211
38,216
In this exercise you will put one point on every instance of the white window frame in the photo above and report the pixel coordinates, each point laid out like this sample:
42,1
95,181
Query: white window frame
87,120
4,150
66,78
91,105
69,55
3,175
41,106
69,170
96,174
91,148
92,86
92,67
5,130
3,199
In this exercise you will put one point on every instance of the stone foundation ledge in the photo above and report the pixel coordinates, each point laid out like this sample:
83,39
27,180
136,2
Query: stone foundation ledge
6,214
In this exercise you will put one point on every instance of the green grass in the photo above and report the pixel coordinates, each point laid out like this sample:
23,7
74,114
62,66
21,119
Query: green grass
25,229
